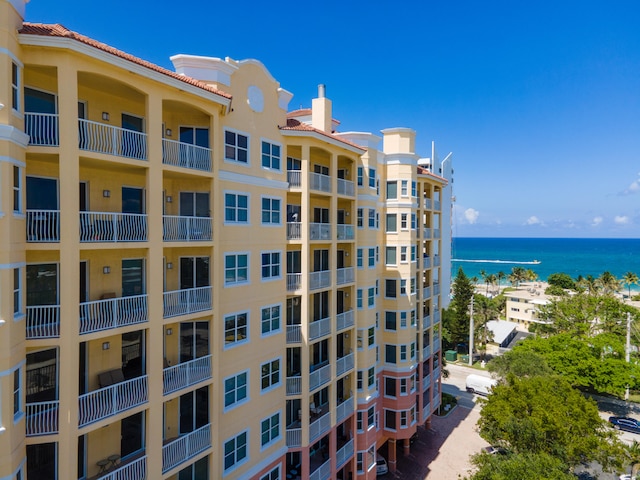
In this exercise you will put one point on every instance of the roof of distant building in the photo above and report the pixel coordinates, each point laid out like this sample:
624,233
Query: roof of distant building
297,125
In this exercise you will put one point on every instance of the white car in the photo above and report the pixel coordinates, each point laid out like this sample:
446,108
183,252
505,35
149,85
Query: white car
381,465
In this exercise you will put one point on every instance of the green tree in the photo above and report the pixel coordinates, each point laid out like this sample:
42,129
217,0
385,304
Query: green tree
456,318
518,274
539,466
519,362
608,283
629,279
588,284
561,280
543,415
484,309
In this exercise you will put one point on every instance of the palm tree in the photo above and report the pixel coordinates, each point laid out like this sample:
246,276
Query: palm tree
531,276
492,280
589,284
518,274
629,279
633,452
608,283
483,275
501,276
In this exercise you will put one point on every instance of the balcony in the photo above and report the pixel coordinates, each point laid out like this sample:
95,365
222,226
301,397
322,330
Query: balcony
319,376
345,232
294,230
134,470
323,472
345,275
42,418
113,227
320,426
427,262
100,138
294,333
345,320
344,454
436,373
319,182
294,177
184,447
344,410
43,226
321,279
436,205
294,281
345,364
426,320
436,233
426,233
108,401
426,411
426,382
294,437
436,260
186,374
186,229
427,203
113,313
43,321
436,317
436,289
426,292
42,129
319,328
187,155
186,301
320,231
426,352
345,187
294,385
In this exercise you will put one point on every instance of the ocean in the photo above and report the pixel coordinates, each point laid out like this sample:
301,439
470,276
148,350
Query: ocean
574,256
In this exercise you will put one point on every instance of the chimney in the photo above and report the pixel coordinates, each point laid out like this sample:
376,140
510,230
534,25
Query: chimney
321,111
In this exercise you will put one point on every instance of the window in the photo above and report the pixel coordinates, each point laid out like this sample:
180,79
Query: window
390,419
235,389
236,208
414,189
359,380
390,288
371,297
15,87
403,319
392,222
17,394
413,221
404,191
271,211
372,177
372,257
360,461
389,387
17,293
270,429
403,386
403,254
403,286
270,374
270,322
17,189
403,353
390,353
413,253
359,218
392,190
412,351
235,451
390,320
372,218
359,425
236,328
272,475
371,336
403,419
360,175
270,156
236,268
359,258
403,221
391,256
359,298
371,376
412,287
270,265
236,147
371,417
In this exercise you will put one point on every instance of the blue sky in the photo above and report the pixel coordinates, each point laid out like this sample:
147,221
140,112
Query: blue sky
540,104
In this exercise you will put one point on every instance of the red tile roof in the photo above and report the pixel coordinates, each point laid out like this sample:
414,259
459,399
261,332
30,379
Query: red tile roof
426,171
297,125
303,112
57,30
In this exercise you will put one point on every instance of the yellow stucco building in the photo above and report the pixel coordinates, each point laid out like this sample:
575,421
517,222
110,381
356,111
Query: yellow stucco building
196,282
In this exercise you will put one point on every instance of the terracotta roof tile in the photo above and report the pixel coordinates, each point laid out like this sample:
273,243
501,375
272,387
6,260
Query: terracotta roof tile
297,125
303,112
57,30
426,171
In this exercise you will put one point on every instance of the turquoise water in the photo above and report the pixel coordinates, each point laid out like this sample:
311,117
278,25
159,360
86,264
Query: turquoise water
574,256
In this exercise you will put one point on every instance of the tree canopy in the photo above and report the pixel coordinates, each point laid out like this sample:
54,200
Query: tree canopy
519,362
540,466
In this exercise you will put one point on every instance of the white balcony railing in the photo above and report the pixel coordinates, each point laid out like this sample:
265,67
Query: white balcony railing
318,181
294,281
319,377
294,177
345,232
186,301
184,447
294,437
344,364
345,275
345,320
186,155
319,426
294,333
113,313
135,470
344,409
294,385
294,230
323,472
320,279
187,373
101,138
111,400
319,328
43,321
42,129
43,226
344,454
345,187
320,231
113,227
186,229
42,418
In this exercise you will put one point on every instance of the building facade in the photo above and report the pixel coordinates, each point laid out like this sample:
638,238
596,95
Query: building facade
197,283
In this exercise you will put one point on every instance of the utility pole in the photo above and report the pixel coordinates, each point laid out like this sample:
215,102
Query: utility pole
471,334
627,352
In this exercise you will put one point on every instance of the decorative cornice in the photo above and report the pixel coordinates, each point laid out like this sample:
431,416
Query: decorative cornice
12,134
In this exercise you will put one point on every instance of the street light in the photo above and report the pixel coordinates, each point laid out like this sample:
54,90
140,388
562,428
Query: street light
471,334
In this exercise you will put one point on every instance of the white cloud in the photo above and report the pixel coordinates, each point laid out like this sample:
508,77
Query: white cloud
621,219
471,215
596,221
633,188
533,220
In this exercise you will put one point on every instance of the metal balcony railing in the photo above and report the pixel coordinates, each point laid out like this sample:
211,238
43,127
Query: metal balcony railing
43,321
294,437
294,230
186,374
345,409
436,233
121,142
186,229
184,447
345,275
427,203
345,187
134,470
42,418
345,320
43,226
436,317
427,262
426,293
320,231
320,182
294,281
111,400
186,301
294,333
436,205
345,231
294,385
319,328
426,382
320,279
294,177
42,129
323,472
426,320
344,454
113,227
436,260
186,155
319,426
426,233
319,377
426,352
113,313
345,364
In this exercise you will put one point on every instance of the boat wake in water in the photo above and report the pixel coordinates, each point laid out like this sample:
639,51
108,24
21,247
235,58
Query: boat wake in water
533,262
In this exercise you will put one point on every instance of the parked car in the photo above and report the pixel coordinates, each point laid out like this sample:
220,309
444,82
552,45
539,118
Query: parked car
625,423
381,465
491,450
480,384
